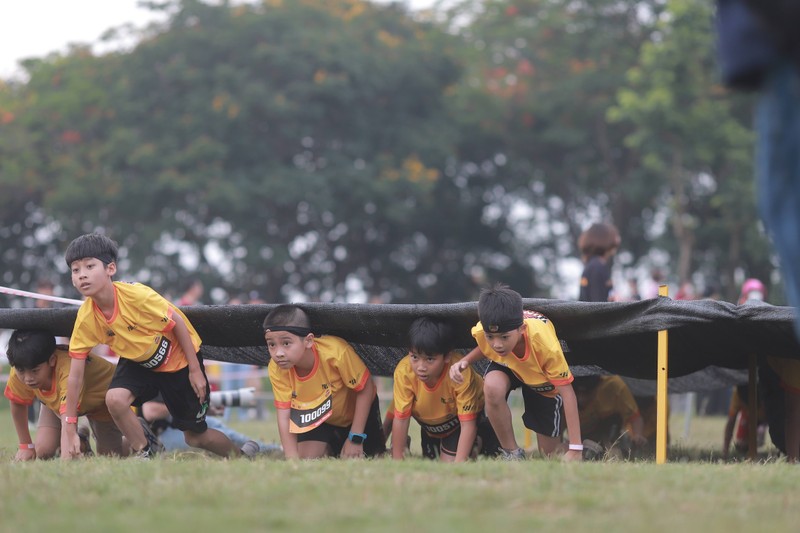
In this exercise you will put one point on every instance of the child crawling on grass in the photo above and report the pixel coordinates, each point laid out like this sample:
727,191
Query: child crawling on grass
326,402
454,427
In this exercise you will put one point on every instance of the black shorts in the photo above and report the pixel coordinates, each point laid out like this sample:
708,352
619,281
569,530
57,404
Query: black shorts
432,446
335,436
188,414
542,415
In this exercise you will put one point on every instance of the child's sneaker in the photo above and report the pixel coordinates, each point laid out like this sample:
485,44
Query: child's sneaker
592,451
153,444
513,455
144,454
86,446
250,449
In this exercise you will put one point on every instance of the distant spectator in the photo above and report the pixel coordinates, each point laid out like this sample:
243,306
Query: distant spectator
686,291
633,290
652,284
597,245
191,292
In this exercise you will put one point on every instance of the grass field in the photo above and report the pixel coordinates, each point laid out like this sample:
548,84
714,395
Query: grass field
192,492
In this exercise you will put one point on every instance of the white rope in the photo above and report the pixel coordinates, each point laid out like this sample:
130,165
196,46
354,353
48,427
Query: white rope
36,295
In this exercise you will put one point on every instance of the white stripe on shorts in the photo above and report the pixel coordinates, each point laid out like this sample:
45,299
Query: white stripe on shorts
557,416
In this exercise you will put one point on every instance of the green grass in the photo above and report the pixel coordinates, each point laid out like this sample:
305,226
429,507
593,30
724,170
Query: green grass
192,492
200,494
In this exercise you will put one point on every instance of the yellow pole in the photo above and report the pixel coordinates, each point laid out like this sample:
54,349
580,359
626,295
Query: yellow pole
752,411
528,439
661,396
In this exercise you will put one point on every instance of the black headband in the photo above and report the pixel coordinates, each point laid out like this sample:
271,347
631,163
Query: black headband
294,330
502,327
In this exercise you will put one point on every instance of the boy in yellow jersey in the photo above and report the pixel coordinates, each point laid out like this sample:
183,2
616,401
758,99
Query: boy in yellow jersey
524,351
608,409
450,415
326,402
157,347
39,370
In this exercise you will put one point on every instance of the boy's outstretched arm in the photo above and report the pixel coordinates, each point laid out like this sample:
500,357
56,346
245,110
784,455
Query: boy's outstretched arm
469,429
70,442
399,436
573,420
364,399
455,371
288,439
19,414
196,377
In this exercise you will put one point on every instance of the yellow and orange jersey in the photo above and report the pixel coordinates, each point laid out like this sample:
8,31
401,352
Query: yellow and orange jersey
610,397
438,409
92,399
141,329
543,367
328,393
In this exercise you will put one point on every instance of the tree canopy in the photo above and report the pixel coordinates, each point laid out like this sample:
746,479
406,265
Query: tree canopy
321,149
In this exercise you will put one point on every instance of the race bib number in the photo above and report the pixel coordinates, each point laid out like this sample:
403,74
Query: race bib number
159,357
305,416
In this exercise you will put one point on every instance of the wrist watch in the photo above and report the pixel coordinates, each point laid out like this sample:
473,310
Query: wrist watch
357,438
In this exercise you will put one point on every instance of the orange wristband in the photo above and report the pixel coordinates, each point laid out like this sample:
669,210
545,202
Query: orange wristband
26,446
71,419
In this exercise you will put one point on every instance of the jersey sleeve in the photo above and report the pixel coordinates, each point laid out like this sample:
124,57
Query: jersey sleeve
548,351
403,399
155,312
16,391
352,369
84,334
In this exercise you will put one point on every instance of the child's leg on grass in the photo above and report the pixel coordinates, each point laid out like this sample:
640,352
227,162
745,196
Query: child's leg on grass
548,446
108,438
313,449
48,434
792,430
496,385
213,441
118,401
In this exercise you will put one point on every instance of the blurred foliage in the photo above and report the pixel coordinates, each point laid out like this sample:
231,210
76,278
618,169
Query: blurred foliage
322,148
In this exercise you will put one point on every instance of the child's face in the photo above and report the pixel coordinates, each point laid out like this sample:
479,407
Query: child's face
90,275
427,367
38,377
287,349
504,343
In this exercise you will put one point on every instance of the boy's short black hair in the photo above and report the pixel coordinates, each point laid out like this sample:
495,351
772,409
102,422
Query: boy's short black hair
288,317
500,309
92,245
29,348
431,337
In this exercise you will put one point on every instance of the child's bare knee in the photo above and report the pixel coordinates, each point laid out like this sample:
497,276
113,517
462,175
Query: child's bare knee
118,400
495,392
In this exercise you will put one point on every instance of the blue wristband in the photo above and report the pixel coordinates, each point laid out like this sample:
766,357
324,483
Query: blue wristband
357,438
